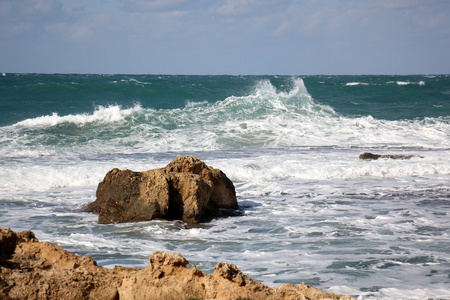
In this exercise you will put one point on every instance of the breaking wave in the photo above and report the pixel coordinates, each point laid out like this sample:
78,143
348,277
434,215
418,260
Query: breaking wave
101,115
266,117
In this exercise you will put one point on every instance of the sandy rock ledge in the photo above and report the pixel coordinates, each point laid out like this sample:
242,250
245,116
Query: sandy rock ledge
30,269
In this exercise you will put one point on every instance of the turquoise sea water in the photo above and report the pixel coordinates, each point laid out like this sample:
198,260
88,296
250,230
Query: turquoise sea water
385,97
314,212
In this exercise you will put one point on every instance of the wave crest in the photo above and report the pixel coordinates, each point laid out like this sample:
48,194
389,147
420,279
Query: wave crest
268,101
112,113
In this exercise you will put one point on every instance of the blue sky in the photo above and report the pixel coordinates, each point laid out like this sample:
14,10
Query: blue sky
290,37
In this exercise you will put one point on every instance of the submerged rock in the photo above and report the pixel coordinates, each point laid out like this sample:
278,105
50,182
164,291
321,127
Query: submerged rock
186,189
368,155
30,269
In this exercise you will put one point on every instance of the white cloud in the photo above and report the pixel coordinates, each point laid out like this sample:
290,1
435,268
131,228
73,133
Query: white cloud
31,11
142,6
29,18
73,33
235,7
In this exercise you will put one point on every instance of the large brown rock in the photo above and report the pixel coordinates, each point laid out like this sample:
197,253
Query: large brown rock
30,269
186,189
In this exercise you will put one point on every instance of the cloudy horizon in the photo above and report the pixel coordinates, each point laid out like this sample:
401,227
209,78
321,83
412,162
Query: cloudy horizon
247,37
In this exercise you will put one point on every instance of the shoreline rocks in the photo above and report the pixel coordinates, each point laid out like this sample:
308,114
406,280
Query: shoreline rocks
186,189
30,269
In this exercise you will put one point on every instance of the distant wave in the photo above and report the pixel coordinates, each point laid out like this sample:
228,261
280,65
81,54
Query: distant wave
421,83
135,81
355,83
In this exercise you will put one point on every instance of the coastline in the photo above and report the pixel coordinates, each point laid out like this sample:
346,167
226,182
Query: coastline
30,269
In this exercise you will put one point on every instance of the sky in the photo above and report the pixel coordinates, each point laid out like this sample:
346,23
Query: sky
236,37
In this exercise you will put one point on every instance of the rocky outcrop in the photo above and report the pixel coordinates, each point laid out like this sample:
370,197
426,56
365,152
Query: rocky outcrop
186,189
30,269
368,155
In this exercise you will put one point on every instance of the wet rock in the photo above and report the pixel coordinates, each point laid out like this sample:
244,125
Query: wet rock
186,189
368,155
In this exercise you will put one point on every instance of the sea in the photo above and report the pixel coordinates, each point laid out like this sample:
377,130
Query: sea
312,211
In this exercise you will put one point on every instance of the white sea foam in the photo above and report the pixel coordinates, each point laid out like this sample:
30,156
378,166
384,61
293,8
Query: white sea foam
137,81
88,241
112,113
46,177
415,293
421,82
356,83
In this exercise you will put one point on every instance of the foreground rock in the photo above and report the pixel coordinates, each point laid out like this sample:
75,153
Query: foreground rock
368,155
186,189
30,269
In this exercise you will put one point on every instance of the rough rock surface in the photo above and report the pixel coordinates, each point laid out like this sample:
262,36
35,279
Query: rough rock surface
30,269
368,155
186,189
